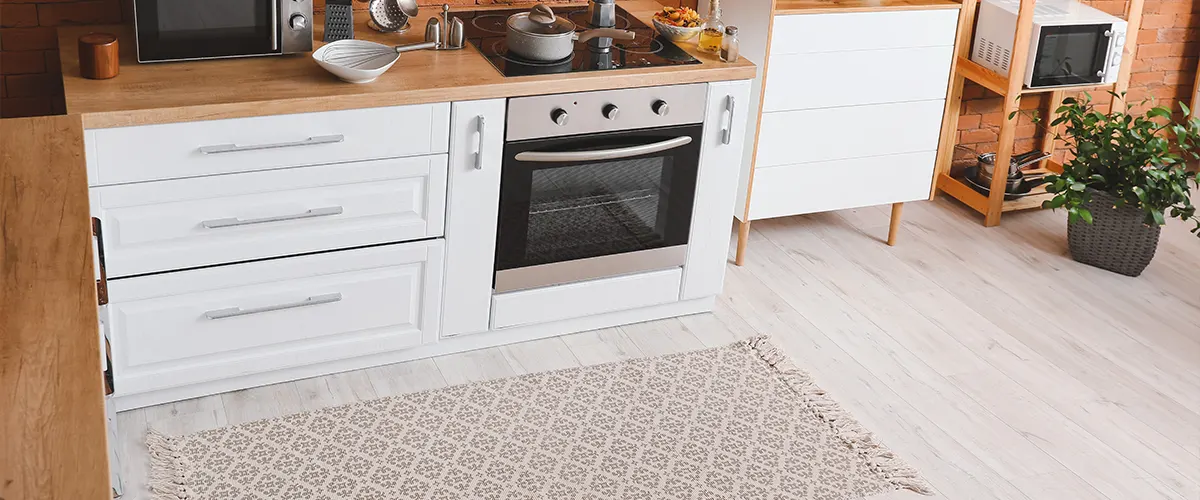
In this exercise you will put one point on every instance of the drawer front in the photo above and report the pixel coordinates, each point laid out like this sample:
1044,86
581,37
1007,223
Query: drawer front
577,300
835,185
186,223
807,33
151,152
196,326
862,77
790,137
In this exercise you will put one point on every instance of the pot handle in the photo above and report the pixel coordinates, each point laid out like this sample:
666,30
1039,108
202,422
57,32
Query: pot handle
606,32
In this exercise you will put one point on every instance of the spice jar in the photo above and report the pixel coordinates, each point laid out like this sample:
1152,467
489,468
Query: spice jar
729,44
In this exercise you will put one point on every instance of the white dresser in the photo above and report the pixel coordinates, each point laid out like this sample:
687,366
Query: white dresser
851,107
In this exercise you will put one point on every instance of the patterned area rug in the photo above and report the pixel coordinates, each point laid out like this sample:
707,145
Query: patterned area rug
729,422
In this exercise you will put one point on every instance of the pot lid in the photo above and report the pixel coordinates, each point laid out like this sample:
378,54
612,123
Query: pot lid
540,21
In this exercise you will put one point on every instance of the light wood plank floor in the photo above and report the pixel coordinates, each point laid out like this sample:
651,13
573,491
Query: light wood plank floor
999,367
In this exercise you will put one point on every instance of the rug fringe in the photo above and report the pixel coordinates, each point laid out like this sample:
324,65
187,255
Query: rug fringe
168,467
890,467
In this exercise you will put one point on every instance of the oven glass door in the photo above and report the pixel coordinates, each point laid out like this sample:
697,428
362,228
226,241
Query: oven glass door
200,29
1071,55
625,197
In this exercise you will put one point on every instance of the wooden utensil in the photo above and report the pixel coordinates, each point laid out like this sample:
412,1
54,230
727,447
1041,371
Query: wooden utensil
98,56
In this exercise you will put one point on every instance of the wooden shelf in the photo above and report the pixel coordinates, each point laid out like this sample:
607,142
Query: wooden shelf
963,192
998,83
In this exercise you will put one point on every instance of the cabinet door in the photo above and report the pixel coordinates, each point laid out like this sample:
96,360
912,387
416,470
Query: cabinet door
727,116
476,146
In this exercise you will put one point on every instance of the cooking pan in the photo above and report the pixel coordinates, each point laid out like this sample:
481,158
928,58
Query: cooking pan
539,35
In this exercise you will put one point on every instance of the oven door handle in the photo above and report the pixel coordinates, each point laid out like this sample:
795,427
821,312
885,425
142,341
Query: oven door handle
603,154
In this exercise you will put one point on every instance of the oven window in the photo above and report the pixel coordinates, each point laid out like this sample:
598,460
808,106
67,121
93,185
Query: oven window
597,209
189,29
1070,55
563,211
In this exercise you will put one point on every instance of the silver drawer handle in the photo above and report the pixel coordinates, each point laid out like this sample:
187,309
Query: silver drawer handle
727,132
311,141
234,221
479,154
233,312
605,154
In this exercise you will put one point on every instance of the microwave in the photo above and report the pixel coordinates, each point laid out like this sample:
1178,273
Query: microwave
1071,43
178,30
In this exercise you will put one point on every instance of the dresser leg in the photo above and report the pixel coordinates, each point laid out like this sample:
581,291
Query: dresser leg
743,237
894,227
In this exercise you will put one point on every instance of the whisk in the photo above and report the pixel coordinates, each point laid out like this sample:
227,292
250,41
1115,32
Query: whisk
357,53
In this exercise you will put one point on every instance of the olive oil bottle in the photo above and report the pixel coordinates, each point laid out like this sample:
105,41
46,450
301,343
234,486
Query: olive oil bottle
714,28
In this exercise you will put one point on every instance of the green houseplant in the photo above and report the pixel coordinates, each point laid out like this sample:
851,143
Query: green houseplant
1127,172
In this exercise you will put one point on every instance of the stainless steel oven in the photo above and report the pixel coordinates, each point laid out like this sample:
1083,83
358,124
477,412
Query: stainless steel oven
173,30
597,184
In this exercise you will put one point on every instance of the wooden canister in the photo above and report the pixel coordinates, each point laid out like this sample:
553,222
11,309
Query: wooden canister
98,58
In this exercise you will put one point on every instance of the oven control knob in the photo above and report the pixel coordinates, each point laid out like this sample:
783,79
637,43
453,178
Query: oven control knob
660,108
559,116
298,22
610,111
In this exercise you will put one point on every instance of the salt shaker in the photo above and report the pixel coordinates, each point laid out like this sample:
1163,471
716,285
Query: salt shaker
729,45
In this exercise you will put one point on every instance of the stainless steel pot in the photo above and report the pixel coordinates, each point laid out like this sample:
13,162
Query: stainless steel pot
987,165
547,37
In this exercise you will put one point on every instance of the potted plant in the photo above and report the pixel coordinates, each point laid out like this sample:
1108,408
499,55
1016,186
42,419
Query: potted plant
1126,174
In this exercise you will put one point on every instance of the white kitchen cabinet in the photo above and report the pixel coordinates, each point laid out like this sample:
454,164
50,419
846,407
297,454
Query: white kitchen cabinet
728,112
196,326
191,149
850,112
477,146
184,223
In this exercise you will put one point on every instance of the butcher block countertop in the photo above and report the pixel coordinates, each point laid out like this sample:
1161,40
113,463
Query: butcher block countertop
787,7
230,88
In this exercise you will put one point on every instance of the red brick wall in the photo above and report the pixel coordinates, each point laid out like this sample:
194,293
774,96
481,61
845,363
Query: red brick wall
1164,68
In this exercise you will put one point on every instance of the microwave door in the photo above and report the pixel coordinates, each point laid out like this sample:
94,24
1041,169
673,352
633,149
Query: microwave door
170,30
1071,55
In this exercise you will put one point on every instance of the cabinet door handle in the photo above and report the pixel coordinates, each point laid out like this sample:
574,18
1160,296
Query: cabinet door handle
234,221
479,153
233,312
234,148
727,132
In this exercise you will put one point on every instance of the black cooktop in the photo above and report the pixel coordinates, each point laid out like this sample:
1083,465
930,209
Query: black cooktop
486,30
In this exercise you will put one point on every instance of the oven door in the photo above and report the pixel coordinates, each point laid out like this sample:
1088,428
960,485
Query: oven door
1071,55
587,207
169,30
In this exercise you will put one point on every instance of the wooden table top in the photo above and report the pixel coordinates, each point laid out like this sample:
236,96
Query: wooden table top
229,88
785,7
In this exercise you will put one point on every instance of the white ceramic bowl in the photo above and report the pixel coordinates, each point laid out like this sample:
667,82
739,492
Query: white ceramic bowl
365,72
677,33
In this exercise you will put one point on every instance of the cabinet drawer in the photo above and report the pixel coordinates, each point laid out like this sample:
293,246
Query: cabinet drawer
586,298
862,77
834,185
807,33
185,223
196,326
150,152
790,137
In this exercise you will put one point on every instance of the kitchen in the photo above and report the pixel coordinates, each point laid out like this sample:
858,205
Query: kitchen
239,196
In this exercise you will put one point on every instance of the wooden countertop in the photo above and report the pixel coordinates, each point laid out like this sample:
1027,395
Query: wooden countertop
51,392
786,7
200,90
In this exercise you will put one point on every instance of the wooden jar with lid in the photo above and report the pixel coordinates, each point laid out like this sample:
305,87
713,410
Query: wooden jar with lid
98,56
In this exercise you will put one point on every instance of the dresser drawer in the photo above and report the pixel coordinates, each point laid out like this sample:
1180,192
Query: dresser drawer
186,223
790,137
202,325
838,32
857,78
150,152
835,185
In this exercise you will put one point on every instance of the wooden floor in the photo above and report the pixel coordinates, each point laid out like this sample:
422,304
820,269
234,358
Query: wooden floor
986,357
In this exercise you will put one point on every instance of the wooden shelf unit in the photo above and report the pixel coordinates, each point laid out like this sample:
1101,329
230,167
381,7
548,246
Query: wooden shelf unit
1011,87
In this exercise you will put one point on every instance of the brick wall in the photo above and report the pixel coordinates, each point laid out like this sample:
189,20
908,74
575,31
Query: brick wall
1164,68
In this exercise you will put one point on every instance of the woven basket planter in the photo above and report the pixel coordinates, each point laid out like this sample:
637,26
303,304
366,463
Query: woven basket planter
1117,240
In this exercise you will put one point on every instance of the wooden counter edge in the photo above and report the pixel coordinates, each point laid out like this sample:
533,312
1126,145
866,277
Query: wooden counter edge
53,443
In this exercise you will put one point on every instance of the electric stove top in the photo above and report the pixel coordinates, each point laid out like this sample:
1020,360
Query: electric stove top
486,30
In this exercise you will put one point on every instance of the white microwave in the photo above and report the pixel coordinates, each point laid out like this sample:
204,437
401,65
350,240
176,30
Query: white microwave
1071,44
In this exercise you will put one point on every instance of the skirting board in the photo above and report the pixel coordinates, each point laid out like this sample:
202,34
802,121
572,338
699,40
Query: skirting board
451,345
